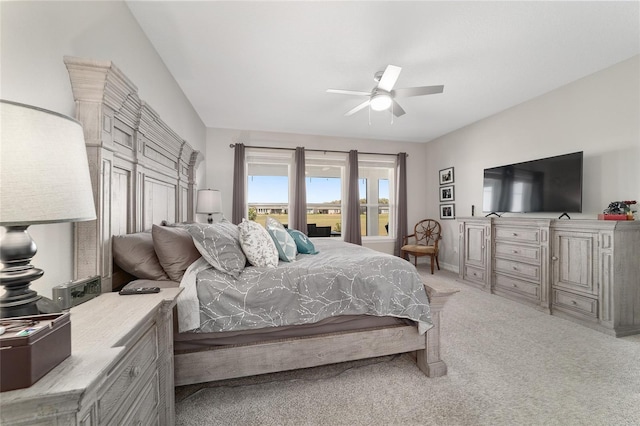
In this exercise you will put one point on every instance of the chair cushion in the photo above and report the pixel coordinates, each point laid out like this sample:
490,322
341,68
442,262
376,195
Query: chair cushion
419,249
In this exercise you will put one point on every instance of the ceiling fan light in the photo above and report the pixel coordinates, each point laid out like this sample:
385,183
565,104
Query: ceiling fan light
380,102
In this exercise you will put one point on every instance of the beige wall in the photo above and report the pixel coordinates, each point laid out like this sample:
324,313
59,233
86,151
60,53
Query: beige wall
219,163
598,114
34,38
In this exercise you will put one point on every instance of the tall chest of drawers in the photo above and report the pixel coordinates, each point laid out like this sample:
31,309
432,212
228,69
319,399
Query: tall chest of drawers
120,370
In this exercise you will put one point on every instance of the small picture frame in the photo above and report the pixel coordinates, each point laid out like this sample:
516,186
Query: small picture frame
446,193
446,176
447,211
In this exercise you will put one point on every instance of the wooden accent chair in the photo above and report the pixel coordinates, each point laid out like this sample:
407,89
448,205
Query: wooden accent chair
426,234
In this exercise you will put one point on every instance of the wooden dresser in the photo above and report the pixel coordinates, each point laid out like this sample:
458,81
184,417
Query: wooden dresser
586,271
120,370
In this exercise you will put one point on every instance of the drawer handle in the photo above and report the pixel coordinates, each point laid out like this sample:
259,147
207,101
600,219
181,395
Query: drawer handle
573,302
515,251
515,268
554,258
515,235
135,371
515,285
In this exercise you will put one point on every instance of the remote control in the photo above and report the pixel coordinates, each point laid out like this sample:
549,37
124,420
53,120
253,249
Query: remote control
141,290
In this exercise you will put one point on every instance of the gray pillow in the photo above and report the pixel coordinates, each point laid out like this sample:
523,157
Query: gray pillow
219,244
175,250
134,253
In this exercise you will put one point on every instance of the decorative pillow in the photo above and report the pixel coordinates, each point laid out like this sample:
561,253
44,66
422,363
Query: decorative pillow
134,253
219,244
175,250
303,243
285,244
257,244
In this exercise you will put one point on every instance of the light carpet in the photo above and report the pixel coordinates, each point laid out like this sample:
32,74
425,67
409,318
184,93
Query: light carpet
508,364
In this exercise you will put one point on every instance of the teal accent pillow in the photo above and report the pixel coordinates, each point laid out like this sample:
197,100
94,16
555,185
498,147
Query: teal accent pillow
303,243
285,244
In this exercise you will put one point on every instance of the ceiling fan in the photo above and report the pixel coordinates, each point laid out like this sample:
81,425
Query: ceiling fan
383,95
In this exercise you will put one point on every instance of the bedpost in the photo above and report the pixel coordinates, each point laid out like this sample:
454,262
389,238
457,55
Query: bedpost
428,359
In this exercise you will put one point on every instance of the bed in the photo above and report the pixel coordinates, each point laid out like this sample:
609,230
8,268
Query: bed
143,175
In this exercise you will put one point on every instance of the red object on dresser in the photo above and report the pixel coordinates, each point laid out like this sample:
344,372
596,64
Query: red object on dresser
613,217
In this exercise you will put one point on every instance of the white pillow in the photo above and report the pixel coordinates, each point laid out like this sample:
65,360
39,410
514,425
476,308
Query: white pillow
285,244
257,244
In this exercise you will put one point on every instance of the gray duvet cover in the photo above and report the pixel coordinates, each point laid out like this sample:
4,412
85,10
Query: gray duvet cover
342,279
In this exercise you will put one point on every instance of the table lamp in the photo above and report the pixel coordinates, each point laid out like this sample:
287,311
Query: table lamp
209,202
44,178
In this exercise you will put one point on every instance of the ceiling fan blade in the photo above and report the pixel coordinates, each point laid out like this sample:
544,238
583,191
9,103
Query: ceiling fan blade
358,108
348,92
389,78
397,109
417,91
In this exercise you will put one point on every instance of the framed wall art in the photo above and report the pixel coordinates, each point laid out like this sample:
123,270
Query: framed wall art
446,193
447,211
446,176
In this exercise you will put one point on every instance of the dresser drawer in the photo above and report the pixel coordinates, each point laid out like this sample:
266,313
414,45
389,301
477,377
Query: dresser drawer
517,234
474,274
517,252
581,304
519,269
525,288
127,375
145,409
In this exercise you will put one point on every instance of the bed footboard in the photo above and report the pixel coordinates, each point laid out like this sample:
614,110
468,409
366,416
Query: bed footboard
247,360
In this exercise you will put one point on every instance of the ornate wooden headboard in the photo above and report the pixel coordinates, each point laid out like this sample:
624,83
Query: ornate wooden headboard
142,172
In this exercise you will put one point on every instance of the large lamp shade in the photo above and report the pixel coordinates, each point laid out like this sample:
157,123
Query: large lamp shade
44,172
44,178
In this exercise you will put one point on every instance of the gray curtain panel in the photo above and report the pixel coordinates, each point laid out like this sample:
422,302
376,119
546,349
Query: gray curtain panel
401,201
298,220
239,197
352,218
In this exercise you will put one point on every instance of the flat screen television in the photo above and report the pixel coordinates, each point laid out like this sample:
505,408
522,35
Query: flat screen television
551,184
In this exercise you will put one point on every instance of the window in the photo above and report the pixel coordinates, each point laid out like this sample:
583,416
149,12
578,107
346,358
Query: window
269,187
325,180
376,175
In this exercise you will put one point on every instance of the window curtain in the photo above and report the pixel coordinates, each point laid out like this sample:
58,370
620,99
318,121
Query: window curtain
298,220
239,197
352,233
401,201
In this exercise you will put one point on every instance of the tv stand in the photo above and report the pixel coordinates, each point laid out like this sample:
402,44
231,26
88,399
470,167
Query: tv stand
493,214
581,270
563,215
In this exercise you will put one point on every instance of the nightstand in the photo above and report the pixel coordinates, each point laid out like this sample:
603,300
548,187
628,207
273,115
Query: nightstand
120,370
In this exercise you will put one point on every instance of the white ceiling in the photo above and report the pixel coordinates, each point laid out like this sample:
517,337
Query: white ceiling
266,65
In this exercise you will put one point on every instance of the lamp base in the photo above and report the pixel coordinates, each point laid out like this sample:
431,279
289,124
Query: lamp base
16,250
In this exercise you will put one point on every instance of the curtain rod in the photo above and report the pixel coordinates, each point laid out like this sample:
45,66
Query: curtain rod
232,145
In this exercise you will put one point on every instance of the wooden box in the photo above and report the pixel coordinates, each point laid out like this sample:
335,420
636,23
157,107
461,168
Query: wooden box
25,359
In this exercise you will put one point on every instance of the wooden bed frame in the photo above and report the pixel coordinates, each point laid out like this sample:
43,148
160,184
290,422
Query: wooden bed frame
142,173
